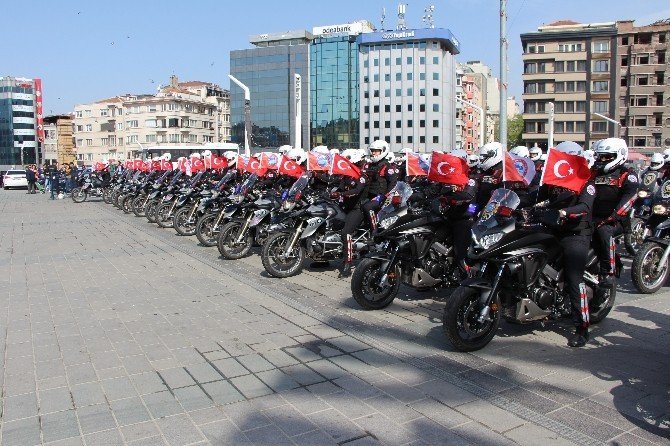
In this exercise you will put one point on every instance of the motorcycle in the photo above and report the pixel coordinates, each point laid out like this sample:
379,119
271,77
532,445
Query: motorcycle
650,267
312,230
90,184
411,247
637,232
139,202
158,194
519,277
171,201
211,212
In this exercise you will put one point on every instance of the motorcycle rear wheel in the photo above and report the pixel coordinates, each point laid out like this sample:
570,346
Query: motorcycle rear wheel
635,239
205,232
460,322
107,195
117,199
163,219
645,278
365,288
150,211
139,206
181,223
273,260
127,204
228,247
78,195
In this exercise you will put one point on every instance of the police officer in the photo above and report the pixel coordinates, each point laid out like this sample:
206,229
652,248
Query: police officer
574,232
366,194
616,190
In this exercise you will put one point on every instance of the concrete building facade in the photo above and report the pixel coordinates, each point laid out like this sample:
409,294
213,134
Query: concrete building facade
470,116
58,144
408,88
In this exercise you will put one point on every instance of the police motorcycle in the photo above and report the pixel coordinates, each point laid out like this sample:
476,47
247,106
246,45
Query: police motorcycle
518,277
118,177
159,192
411,247
125,189
642,210
119,185
310,226
177,198
650,267
142,196
137,190
249,223
186,216
90,183
211,210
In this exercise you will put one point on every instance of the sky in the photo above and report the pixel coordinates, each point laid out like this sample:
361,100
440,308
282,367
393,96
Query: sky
90,50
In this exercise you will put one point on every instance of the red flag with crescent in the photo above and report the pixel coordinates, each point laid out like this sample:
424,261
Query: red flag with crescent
518,169
197,164
290,168
318,162
416,166
166,165
254,166
219,162
270,160
98,166
565,170
342,166
448,169
138,164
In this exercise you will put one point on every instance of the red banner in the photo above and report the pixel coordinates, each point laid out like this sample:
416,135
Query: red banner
416,166
38,109
565,170
219,162
448,169
318,162
342,166
290,168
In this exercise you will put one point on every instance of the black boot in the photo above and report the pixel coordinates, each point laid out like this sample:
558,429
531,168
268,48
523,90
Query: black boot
580,338
345,269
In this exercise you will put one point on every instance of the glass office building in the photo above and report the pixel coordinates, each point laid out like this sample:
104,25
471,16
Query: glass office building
334,92
268,70
17,122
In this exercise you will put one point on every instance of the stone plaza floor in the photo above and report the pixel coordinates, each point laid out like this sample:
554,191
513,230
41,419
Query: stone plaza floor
115,331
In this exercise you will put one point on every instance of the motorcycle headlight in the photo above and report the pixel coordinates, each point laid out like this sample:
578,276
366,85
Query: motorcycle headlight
643,194
489,240
387,222
287,206
659,209
237,199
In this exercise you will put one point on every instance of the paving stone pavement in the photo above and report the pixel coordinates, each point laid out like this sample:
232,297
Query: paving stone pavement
118,332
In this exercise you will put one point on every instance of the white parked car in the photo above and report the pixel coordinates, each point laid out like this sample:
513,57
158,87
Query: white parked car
14,178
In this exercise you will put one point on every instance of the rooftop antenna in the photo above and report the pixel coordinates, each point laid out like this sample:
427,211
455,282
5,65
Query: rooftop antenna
428,16
402,8
383,17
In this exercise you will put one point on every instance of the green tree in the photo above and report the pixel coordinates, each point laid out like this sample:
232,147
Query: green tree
514,130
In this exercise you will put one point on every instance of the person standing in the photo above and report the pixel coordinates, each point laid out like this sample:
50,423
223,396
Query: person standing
32,178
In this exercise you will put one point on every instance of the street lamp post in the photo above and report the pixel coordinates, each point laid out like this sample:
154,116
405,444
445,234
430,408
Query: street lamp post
482,115
247,115
608,119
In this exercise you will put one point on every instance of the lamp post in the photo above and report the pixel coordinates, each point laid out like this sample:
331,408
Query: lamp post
247,115
482,118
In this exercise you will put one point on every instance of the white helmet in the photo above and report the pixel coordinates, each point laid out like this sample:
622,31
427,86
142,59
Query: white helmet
156,158
381,146
520,151
334,151
363,154
231,156
490,154
425,157
535,153
590,157
321,149
284,149
610,154
473,160
460,153
570,147
207,153
407,150
167,156
543,157
195,155
390,157
353,155
666,155
297,155
657,161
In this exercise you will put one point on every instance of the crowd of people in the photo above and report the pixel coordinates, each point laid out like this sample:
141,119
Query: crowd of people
55,179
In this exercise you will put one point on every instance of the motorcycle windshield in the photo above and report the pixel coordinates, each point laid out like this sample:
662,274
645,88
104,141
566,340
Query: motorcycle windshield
501,198
137,175
649,181
248,184
195,179
396,199
662,195
176,178
163,177
298,186
225,180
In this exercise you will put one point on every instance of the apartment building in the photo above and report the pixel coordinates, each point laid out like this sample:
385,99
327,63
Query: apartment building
570,65
490,96
181,113
643,86
471,117
58,144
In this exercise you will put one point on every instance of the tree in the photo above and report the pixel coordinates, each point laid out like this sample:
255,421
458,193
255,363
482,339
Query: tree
514,130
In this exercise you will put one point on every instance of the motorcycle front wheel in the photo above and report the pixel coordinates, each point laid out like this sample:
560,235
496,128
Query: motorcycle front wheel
205,232
139,206
163,217
635,239
150,211
78,195
118,198
228,245
648,275
461,320
181,223
127,204
107,195
274,261
366,289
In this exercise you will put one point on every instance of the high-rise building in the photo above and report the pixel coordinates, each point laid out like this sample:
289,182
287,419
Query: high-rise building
568,64
181,113
21,125
513,108
334,85
472,93
643,86
490,96
58,144
268,71
408,88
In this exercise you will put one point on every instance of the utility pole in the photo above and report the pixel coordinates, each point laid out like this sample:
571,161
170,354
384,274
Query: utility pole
550,143
503,74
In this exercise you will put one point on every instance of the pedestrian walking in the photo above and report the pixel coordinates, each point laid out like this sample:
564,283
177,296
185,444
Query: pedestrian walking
72,183
32,179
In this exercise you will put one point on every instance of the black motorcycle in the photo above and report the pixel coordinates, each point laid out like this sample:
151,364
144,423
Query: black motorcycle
211,211
411,246
159,194
638,229
650,267
519,277
89,184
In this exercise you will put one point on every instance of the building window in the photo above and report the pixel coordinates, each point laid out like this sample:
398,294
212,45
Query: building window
366,125
436,60
398,76
581,85
387,108
410,61
375,94
375,108
436,76
422,91
398,91
601,46
366,140
89,127
366,63
436,107
410,76
410,92
436,91
600,86
89,142
624,61
376,124
569,47
387,124
422,60
580,106
640,142
366,94
410,139
398,124
601,66
624,41
436,123
422,139
559,66
422,123
409,107
422,76
375,78
643,59
422,108
79,114
410,123
375,62
599,126
387,93
387,77
398,60
366,109
640,122
436,139
387,61
398,108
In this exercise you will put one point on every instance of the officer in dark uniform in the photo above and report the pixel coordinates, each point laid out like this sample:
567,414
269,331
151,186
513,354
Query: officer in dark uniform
366,195
616,190
574,228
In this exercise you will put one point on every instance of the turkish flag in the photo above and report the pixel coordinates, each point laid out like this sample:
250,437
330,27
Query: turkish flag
415,166
138,164
242,162
98,166
318,162
518,169
166,165
290,168
270,160
208,161
181,164
197,164
565,170
146,166
155,165
219,162
448,169
254,166
342,166
128,164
